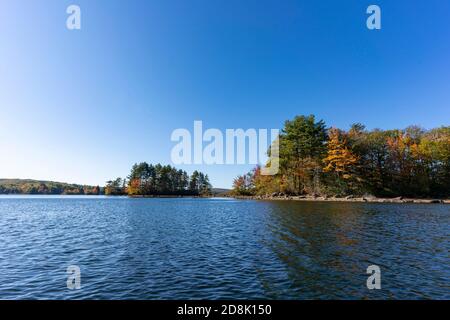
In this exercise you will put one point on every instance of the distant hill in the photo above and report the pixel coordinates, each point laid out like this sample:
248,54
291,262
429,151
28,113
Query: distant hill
28,186
219,192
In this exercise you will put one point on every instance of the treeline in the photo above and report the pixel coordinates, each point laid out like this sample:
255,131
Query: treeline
148,180
317,160
18,186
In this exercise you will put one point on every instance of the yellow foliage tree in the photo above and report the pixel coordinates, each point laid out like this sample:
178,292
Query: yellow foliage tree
339,157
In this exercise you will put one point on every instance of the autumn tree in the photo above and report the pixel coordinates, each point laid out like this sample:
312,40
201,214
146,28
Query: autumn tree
115,187
340,160
243,185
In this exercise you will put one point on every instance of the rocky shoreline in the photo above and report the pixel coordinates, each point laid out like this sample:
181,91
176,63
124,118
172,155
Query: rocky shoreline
364,199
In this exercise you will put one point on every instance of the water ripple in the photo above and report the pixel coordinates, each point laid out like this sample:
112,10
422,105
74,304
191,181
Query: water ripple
221,249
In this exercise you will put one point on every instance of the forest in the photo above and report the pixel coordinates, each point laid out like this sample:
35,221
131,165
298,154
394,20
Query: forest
28,186
153,180
327,161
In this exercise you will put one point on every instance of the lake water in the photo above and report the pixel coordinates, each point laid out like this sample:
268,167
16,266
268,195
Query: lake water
221,248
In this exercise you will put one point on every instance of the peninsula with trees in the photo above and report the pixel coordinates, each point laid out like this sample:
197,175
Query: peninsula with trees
147,180
320,162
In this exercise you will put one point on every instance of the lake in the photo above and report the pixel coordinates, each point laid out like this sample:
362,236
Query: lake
221,249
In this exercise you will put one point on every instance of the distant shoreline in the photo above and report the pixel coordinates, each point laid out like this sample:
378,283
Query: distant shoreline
345,199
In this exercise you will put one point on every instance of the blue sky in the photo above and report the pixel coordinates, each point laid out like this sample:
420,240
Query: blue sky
83,106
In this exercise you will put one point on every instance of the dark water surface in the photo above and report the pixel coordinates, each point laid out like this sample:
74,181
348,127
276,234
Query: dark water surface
221,248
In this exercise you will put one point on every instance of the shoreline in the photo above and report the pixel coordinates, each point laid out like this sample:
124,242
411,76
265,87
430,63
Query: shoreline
307,198
345,199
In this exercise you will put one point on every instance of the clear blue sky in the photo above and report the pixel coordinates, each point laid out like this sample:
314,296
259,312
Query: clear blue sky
83,106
